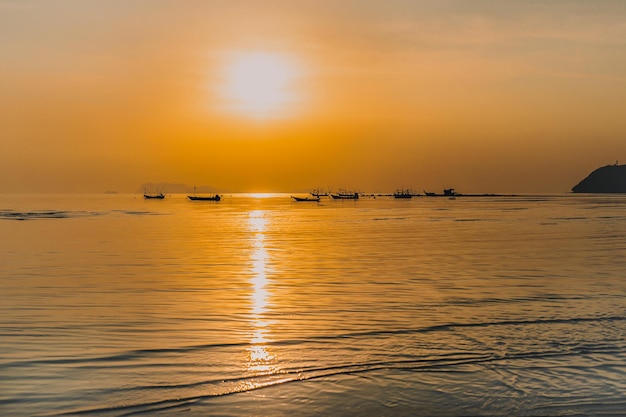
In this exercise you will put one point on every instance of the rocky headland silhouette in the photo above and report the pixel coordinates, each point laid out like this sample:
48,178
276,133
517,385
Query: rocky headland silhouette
173,188
606,179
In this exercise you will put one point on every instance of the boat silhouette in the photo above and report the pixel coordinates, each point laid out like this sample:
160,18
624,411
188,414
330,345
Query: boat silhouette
402,193
215,197
319,193
195,197
147,196
313,199
345,196
448,192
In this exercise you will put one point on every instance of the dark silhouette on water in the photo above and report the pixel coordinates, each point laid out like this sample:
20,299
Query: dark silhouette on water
452,194
448,192
319,193
402,193
195,197
215,197
313,199
343,195
158,196
606,179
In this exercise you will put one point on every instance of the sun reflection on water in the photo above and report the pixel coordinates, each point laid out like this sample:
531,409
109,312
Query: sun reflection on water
260,359
259,279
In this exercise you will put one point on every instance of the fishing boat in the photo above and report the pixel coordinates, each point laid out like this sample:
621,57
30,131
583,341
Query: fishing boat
448,192
345,196
313,199
195,197
215,197
319,193
147,196
403,194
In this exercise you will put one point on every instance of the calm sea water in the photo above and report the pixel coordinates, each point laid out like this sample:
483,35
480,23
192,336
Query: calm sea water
112,305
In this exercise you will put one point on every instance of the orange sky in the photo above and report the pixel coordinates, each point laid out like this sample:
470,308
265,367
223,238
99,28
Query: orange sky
483,96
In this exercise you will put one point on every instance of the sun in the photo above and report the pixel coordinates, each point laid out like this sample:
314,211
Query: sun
259,84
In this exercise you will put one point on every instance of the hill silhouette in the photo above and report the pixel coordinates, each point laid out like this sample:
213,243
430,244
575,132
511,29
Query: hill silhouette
606,179
171,188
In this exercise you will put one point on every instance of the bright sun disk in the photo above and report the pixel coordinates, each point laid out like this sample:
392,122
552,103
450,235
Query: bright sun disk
259,84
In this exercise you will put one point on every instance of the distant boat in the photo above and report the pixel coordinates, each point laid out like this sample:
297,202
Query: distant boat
448,192
195,197
313,199
204,198
403,194
345,196
159,196
319,193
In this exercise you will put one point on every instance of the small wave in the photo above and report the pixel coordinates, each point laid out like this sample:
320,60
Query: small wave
138,212
44,214
252,383
452,326
124,357
65,214
29,215
606,408
531,200
610,219
508,301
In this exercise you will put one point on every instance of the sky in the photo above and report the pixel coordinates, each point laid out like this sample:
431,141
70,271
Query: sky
284,96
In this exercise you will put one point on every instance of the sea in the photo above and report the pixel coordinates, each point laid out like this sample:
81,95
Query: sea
112,305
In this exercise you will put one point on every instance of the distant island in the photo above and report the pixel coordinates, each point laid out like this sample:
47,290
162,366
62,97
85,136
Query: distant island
172,188
606,179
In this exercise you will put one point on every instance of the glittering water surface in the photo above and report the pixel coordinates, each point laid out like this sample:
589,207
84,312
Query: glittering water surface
112,305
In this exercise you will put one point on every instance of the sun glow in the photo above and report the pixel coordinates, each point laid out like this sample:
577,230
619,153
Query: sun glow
260,84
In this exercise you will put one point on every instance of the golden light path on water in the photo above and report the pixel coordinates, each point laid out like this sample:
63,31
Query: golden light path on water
260,359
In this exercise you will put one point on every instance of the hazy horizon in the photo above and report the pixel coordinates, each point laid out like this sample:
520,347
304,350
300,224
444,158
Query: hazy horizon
485,97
